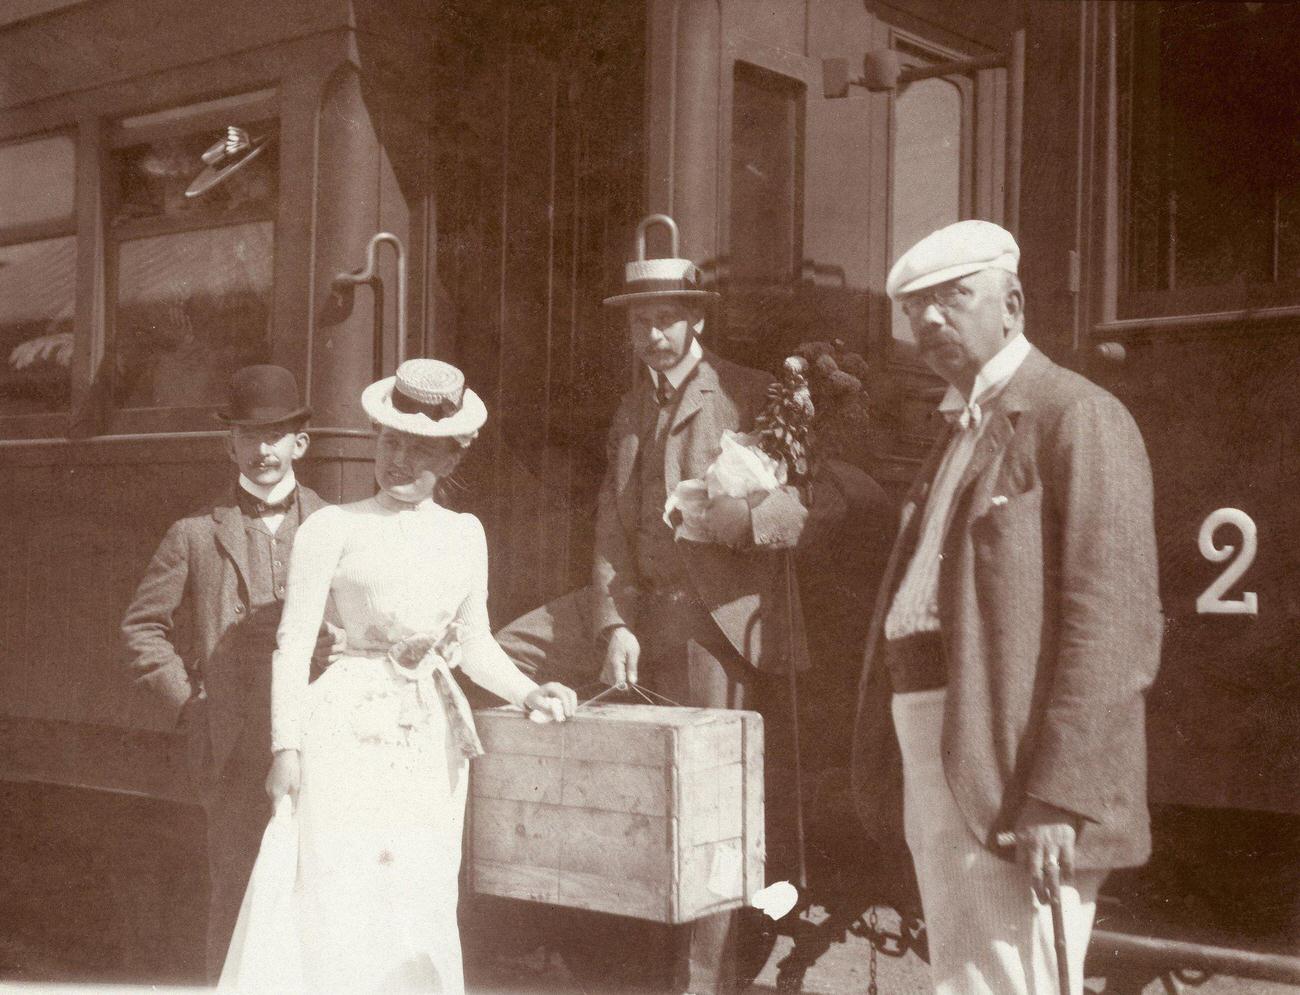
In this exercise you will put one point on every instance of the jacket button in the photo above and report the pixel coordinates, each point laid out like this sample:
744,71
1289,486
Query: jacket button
239,609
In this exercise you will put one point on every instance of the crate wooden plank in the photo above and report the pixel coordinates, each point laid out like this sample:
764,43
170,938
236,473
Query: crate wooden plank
713,874
516,777
612,787
617,844
634,810
601,893
515,880
754,836
712,804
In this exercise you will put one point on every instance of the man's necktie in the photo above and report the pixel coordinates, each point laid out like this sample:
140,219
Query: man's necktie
257,507
970,416
278,508
663,390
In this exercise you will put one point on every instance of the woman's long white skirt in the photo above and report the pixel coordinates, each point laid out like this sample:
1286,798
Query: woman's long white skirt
380,816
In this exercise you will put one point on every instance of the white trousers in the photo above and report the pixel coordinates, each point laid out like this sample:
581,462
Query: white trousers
988,934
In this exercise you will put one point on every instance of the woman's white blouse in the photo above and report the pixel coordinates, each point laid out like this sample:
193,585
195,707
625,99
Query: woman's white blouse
391,574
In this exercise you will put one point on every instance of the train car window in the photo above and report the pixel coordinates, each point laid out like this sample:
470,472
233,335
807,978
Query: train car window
1211,181
38,256
766,193
192,274
926,192
37,181
191,308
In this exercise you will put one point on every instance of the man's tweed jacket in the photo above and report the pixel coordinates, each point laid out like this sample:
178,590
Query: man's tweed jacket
201,568
745,590
1050,618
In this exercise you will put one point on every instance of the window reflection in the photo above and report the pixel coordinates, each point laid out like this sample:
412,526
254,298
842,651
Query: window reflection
192,308
152,177
926,169
37,282
37,181
765,182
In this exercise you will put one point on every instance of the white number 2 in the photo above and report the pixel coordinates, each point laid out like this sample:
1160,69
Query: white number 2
1212,601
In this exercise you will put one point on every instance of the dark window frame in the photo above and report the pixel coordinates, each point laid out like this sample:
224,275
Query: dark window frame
52,424
796,89
262,105
1137,106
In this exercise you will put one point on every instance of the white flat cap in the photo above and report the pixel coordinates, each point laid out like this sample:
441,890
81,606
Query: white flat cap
958,250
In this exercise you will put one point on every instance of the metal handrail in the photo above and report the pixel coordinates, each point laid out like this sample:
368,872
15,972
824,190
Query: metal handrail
370,275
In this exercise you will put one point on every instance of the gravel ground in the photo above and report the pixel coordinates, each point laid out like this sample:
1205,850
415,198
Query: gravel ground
98,891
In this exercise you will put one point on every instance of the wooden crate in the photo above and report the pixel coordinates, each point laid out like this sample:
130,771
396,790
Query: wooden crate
641,811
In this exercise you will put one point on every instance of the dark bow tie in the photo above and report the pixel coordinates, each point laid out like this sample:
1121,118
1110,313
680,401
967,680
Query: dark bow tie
256,506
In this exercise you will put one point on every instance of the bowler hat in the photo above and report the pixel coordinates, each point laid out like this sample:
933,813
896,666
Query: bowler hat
263,395
646,279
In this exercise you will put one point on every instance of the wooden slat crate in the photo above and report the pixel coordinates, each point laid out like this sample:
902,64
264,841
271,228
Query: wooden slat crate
655,813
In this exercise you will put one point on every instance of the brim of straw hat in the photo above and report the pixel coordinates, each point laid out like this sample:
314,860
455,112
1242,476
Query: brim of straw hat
703,296
377,400
212,175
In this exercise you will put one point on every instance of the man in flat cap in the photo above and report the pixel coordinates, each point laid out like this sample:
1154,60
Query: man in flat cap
1017,629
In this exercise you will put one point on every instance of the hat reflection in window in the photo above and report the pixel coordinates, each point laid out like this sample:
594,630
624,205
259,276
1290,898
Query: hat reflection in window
172,176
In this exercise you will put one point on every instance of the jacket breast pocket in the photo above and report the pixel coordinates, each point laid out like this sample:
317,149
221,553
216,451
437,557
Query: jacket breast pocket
1009,533
1009,573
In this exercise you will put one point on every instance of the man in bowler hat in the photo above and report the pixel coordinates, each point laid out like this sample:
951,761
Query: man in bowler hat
1017,629
223,569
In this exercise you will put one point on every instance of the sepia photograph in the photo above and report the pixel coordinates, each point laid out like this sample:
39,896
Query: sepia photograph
650,497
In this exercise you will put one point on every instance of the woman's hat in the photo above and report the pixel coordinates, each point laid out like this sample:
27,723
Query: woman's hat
646,279
226,156
426,397
263,395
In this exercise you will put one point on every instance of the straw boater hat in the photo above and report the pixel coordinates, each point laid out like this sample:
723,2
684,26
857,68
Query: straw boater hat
950,253
426,397
649,278
226,156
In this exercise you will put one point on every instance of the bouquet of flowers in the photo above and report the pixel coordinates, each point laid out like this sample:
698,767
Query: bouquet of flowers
821,397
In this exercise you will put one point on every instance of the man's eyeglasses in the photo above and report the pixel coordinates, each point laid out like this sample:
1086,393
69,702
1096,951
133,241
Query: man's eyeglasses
945,297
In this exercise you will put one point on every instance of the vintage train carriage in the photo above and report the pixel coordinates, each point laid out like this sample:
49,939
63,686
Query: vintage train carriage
510,147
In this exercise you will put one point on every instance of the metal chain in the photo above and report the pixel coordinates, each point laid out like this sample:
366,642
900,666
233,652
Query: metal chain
873,924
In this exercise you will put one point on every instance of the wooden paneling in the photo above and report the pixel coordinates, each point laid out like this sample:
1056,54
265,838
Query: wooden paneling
1219,416
95,44
537,111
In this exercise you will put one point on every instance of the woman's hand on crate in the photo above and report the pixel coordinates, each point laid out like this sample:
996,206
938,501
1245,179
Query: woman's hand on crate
553,700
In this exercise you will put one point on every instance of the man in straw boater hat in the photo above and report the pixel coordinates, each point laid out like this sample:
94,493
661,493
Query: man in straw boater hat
1017,628
706,624
223,570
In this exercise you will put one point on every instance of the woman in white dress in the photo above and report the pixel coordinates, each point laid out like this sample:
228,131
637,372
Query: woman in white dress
376,750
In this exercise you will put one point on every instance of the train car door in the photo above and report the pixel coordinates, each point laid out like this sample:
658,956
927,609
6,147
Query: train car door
798,193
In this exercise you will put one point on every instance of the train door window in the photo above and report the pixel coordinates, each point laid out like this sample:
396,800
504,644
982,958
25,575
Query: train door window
1211,174
927,167
766,192
192,197
930,159
38,253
